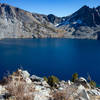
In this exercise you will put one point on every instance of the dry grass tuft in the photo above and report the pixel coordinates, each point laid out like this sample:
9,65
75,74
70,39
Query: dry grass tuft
65,94
20,91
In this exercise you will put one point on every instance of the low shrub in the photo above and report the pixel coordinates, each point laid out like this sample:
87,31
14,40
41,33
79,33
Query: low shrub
74,77
52,80
92,83
45,78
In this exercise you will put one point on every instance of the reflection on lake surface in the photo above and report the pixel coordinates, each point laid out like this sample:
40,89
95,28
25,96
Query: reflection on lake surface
43,57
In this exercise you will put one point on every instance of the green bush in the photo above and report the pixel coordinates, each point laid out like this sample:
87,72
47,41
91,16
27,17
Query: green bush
92,83
45,78
53,80
74,77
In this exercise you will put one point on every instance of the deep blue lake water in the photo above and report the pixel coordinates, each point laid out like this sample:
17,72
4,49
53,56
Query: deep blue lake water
44,57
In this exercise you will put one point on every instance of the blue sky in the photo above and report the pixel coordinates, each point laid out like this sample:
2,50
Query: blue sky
57,7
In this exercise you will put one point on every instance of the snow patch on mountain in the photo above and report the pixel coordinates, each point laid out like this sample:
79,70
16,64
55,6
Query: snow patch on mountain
77,22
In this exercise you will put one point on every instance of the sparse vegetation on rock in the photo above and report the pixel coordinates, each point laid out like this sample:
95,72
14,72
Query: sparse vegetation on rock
20,91
21,86
74,77
52,81
45,78
92,83
65,94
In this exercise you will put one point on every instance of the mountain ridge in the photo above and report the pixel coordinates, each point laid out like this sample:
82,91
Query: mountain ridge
18,23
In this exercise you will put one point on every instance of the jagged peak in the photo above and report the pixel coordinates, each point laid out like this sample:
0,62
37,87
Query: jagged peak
52,15
85,6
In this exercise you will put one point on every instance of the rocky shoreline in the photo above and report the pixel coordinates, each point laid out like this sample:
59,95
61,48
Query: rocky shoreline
21,86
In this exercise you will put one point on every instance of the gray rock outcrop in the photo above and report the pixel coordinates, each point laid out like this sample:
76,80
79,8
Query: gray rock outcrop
17,23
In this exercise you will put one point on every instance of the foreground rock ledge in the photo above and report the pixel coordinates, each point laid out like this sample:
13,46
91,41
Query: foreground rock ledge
21,86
